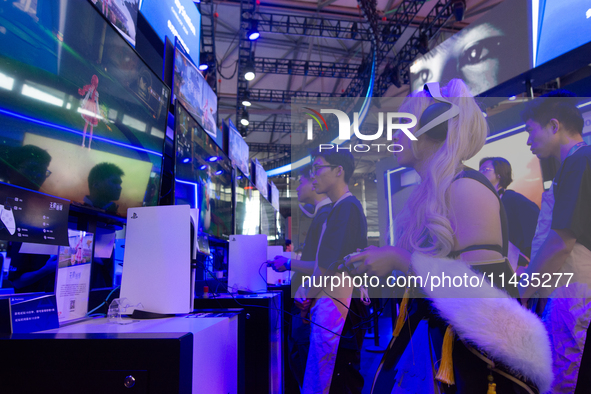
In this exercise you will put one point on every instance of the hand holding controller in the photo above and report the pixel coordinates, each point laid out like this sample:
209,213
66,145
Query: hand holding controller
348,265
7,217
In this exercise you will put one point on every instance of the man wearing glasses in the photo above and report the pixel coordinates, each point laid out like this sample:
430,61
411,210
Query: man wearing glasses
336,334
555,126
300,327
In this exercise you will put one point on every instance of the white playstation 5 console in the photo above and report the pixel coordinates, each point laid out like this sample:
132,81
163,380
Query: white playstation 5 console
157,275
247,263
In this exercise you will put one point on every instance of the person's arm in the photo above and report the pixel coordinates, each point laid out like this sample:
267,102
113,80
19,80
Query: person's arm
475,219
29,278
280,263
550,258
381,261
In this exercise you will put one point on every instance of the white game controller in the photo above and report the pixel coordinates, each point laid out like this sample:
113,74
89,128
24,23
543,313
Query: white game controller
351,266
7,217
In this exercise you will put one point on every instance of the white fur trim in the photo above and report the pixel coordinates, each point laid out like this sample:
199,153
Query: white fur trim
490,320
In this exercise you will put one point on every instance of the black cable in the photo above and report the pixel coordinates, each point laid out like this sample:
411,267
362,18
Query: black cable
357,327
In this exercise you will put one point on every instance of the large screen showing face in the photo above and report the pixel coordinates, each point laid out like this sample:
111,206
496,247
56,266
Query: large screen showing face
81,115
247,206
488,52
191,89
238,149
203,176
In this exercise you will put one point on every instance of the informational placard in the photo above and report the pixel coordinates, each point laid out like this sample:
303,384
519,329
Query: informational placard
73,276
28,216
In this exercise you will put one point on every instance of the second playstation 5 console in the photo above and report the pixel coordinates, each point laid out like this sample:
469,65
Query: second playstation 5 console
247,263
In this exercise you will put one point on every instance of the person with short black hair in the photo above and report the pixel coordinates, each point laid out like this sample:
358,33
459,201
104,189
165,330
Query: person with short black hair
334,357
104,184
522,213
299,339
25,166
555,125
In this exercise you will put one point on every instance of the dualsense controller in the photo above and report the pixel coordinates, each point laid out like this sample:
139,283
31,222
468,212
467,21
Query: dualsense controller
7,217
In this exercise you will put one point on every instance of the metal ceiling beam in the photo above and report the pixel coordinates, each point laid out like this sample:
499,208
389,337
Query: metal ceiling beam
271,127
247,8
304,67
310,26
386,36
429,27
285,96
208,41
271,148
391,32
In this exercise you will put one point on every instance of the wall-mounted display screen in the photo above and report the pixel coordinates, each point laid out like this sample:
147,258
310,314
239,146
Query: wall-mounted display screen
121,13
274,196
260,178
191,89
178,18
81,115
28,216
203,175
492,50
558,27
238,149
268,221
248,206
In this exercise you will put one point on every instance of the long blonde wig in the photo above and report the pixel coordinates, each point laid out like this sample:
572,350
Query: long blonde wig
424,225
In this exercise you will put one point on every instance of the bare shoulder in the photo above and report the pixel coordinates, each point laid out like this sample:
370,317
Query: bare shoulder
469,193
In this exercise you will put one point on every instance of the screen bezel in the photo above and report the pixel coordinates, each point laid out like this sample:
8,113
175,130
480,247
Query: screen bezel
107,216
224,157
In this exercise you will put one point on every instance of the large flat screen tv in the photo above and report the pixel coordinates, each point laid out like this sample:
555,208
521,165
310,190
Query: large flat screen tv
193,91
238,150
248,206
178,18
203,175
557,20
268,221
274,196
260,178
81,115
122,14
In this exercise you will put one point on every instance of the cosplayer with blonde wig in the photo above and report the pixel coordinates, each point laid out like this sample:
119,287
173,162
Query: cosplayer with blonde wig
454,223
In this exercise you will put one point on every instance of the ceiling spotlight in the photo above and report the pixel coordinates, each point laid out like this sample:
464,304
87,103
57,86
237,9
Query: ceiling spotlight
205,59
354,30
394,76
459,8
249,73
253,33
423,43
244,118
246,99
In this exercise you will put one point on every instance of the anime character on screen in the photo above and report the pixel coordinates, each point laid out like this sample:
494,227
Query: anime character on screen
90,107
77,257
